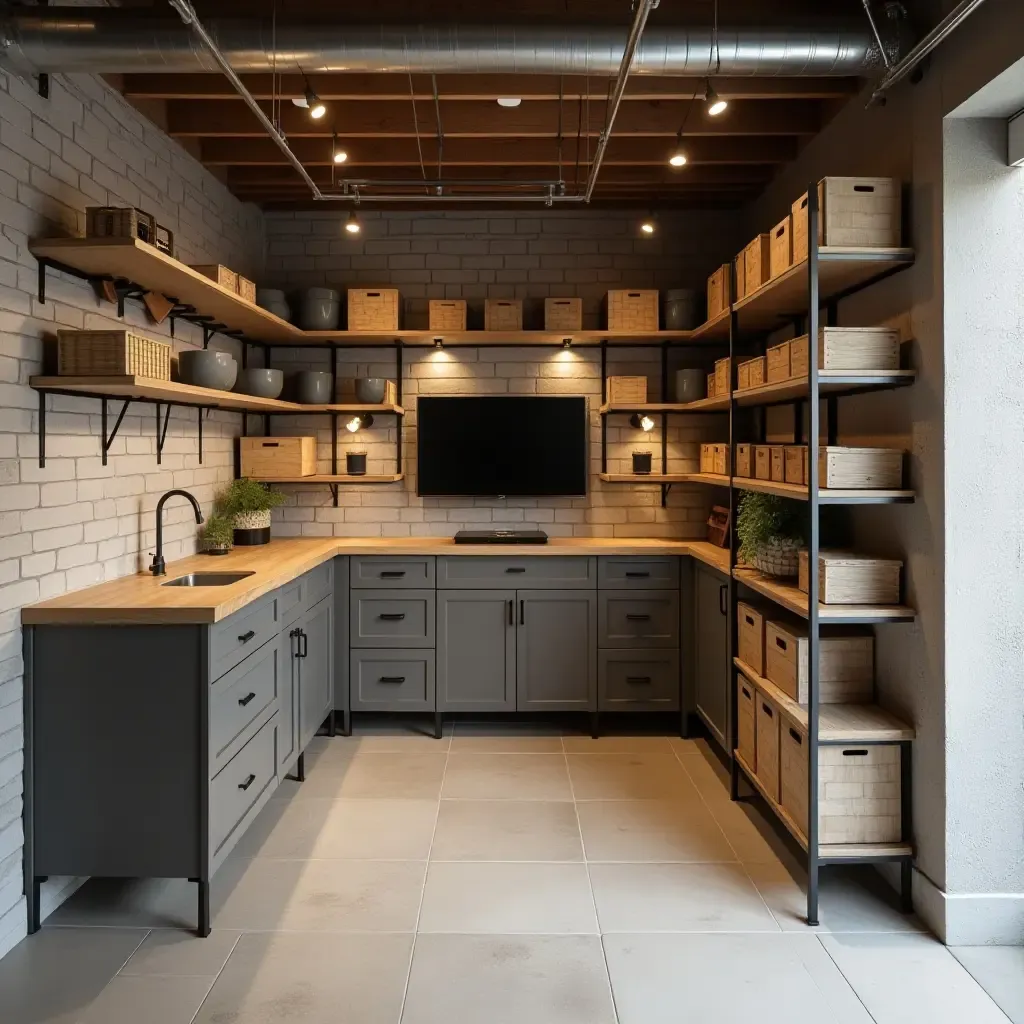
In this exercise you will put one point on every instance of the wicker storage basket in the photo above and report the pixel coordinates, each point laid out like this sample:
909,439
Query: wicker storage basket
780,254
223,276
127,222
563,314
112,354
779,557
447,314
246,288
503,314
623,390
373,309
632,311
269,458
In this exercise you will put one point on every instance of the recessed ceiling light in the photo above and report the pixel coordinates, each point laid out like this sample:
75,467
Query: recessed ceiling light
509,101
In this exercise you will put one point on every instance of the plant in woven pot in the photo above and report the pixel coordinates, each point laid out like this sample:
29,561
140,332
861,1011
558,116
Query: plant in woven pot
770,531
247,503
218,535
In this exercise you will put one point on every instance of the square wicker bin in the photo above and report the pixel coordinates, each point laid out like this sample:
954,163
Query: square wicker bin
373,309
112,354
447,314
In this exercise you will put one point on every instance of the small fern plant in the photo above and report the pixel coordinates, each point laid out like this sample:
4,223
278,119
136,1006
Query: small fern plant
764,518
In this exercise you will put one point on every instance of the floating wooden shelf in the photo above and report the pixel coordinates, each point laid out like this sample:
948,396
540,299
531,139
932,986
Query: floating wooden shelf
826,495
716,329
795,600
830,382
494,338
712,479
839,723
701,405
338,478
646,478
710,554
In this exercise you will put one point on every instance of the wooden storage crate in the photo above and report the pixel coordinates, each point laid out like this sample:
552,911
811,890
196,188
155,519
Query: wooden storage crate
718,526
781,248
750,373
246,288
750,619
373,309
762,462
503,314
767,740
860,468
627,390
633,310
848,578
223,276
707,458
846,662
856,212
127,222
859,795
745,460
719,290
756,263
712,390
723,376
778,463
848,348
796,463
777,363
564,315
721,462
112,354
741,275
447,314
271,458
746,721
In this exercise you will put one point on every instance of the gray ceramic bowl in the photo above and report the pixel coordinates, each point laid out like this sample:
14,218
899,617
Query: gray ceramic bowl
319,309
273,300
205,368
370,390
261,383
313,387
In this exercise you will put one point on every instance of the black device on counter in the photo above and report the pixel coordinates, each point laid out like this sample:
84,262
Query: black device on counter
501,537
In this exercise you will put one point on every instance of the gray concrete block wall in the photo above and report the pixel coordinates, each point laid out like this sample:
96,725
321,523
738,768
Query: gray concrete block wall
77,522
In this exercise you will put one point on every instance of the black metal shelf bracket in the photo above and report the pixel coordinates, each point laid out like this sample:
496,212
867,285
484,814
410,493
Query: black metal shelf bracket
41,429
604,398
108,439
334,493
161,430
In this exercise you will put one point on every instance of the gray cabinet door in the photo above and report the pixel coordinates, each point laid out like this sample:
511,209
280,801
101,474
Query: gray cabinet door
476,650
556,650
288,701
316,669
712,655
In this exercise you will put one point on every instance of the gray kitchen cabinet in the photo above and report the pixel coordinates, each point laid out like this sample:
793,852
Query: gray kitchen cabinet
639,619
556,650
398,680
288,703
391,618
315,659
476,650
489,572
711,656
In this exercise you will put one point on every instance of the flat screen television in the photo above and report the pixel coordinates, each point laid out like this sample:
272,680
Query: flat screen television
503,445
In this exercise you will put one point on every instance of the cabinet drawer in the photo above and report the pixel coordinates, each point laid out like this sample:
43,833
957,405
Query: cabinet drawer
295,597
494,572
380,571
638,573
241,783
239,697
383,618
392,680
628,619
242,633
746,720
628,680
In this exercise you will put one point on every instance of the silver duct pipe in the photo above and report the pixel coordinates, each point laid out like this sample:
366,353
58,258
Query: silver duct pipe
109,40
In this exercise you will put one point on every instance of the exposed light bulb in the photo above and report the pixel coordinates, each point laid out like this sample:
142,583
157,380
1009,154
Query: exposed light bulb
353,424
715,104
316,106
647,227
352,225
646,424
340,156
678,159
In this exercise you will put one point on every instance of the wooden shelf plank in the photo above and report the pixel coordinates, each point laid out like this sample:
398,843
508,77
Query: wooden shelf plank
715,329
339,478
829,382
701,405
710,554
490,338
646,478
854,723
712,479
188,394
826,495
793,599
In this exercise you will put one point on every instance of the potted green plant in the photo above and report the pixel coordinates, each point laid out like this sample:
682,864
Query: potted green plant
770,530
218,534
247,503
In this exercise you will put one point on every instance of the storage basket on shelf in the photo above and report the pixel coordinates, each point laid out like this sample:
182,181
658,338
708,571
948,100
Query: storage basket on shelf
750,373
846,660
856,212
762,462
246,288
859,468
563,314
222,275
796,464
503,314
373,309
723,375
848,348
127,222
746,721
707,458
779,557
744,460
767,738
447,314
271,458
777,363
780,248
756,263
750,623
848,578
719,290
112,354
627,390
632,310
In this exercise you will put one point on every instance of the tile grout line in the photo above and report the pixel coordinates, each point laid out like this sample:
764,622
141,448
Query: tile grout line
223,967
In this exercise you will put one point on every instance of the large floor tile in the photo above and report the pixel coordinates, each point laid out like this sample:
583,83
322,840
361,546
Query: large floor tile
495,738
629,776
411,776
651,830
678,898
475,897
751,831
174,952
907,979
399,738
52,977
706,771
507,830
128,999
324,895
728,979
506,777
311,979
523,979
345,829
999,970
639,744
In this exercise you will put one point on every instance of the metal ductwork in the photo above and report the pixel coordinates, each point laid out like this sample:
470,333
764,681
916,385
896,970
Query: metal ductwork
109,40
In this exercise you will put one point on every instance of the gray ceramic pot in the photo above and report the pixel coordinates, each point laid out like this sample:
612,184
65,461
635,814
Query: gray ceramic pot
261,383
313,387
370,390
680,309
205,368
691,385
273,300
319,309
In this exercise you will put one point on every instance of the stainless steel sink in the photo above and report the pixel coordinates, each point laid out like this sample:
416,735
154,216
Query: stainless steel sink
207,579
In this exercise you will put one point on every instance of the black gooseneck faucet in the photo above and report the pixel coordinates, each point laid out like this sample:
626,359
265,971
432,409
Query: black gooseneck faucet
159,567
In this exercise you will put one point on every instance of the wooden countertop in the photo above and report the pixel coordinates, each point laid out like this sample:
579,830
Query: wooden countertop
142,599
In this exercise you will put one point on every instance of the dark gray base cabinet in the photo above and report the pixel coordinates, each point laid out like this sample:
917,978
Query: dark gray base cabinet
638,680
395,680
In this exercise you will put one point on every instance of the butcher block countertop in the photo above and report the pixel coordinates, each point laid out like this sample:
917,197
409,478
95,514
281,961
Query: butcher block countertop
142,599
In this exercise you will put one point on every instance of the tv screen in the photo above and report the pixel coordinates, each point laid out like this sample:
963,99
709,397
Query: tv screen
502,446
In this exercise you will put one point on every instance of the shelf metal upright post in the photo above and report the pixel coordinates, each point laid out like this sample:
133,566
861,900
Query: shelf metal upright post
814,508
732,647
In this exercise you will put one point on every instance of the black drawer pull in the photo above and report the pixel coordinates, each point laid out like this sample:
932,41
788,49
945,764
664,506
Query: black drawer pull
637,575
855,753
392,574
511,613
637,617
242,701
767,710
796,735
515,568
392,679
723,596
391,616
638,680
246,637
248,782
522,612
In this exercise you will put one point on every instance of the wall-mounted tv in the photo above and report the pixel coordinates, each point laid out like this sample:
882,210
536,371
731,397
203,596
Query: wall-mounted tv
503,445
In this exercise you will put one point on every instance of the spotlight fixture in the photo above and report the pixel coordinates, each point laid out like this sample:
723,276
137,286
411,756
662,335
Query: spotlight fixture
644,423
340,156
509,101
316,106
438,343
362,421
567,343
647,227
678,158
713,102
352,225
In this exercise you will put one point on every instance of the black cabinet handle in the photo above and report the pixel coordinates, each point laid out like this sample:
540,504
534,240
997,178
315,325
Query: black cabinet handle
511,612
637,617
392,679
522,613
515,568
242,701
637,575
391,616
248,782
246,637
392,574
723,592
855,753
303,644
638,680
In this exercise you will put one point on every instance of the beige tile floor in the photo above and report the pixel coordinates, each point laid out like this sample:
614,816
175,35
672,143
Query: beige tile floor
502,875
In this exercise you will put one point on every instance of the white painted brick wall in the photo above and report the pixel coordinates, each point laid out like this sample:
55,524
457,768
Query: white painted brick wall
77,522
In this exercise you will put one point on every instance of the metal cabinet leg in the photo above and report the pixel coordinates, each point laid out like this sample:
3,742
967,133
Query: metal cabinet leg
300,768
33,905
203,915
907,886
332,724
438,724
346,723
